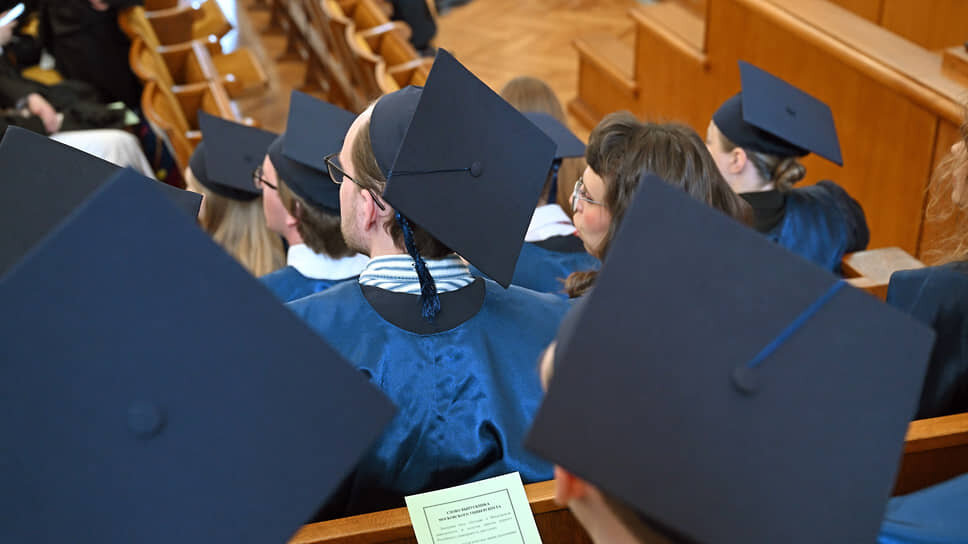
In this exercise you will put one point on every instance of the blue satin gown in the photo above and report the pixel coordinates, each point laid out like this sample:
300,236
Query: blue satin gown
288,284
934,515
543,266
467,386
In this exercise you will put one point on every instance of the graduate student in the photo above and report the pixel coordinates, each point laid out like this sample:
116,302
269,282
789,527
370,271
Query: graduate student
301,203
164,413
45,181
938,295
756,138
221,169
552,249
620,150
427,174
728,415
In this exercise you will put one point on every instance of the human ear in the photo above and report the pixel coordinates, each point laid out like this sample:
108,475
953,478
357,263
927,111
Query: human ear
737,160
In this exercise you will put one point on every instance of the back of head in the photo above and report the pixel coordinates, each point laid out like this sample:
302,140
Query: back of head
782,172
319,229
621,149
948,201
530,94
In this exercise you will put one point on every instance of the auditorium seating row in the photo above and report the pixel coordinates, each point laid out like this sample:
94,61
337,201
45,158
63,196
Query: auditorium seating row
934,450
354,52
175,51
897,104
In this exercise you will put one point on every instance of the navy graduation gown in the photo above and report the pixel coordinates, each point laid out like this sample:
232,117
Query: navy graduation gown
821,223
467,387
938,296
288,284
543,266
934,515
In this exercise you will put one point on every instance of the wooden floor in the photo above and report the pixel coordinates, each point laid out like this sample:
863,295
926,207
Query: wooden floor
496,39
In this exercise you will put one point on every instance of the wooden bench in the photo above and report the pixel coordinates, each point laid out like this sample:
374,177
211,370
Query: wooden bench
934,450
555,523
871,270
897,113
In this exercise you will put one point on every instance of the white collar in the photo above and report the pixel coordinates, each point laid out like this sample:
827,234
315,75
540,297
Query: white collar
323,267
549,221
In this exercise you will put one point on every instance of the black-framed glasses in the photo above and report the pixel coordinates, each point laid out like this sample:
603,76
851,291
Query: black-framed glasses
258,179
581,194
337,174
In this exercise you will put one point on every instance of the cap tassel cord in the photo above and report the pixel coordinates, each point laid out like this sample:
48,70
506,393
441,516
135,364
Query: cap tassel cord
795,325
428,289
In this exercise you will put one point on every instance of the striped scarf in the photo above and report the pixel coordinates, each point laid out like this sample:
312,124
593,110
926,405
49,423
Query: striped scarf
396,273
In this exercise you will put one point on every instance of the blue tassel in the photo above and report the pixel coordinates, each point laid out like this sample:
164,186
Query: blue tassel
428,289
553,190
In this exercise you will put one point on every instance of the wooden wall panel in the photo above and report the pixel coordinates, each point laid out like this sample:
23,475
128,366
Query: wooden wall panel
868,9
887,141
934,25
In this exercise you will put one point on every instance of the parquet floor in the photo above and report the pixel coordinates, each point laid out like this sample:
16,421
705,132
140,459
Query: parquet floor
496,39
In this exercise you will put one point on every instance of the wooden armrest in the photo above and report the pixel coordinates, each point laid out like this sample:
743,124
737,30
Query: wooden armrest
937,432
878,264
935,450
615,58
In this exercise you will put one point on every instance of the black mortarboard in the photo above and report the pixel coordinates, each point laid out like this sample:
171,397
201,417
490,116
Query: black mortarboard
314,130
46,180
727,389
463,164
133,410
568,145
773,117
228,155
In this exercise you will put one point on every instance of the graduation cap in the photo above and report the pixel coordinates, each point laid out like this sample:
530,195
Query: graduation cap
314,130
463,164
568,145
773,117
729,390
46,180
228,155
133,408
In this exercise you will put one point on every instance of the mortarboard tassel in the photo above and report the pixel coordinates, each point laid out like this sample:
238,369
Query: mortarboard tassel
428,289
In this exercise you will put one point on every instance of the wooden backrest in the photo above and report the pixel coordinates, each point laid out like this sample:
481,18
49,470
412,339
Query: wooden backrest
173,25
370,67
163,111
134,23
392,42
871,269
155,5
148,64
414,72
209,20
935,450
555,523
366,15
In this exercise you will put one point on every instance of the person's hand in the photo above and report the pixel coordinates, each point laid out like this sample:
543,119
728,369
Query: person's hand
99,5
42,109
6,31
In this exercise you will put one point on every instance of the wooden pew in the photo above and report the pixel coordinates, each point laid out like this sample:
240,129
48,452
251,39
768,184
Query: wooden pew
935,450
186,22
871,270
175,112
555,524
896,111
932,24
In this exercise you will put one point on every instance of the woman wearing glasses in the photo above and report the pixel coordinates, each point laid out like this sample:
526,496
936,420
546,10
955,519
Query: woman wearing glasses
231,209
621,149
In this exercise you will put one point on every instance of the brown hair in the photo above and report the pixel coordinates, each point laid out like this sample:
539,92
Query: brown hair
528,93
240,228
622,149
941,209
369,175
783,172
319,230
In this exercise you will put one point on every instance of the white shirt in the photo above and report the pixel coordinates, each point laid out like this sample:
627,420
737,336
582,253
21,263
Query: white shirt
549,221
323,267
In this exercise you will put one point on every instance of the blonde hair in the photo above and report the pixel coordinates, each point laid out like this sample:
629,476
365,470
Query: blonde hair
941,209
783,172
530,94
240,228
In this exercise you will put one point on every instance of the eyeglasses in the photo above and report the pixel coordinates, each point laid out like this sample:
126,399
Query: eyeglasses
337,174
581,194
259,180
